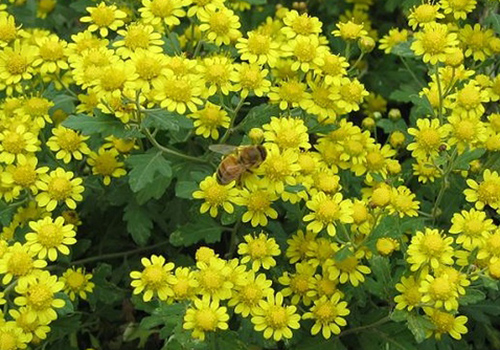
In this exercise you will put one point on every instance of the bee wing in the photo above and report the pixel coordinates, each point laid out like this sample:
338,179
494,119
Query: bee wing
222,149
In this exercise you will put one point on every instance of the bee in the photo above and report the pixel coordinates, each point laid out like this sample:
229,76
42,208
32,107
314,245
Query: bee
238,160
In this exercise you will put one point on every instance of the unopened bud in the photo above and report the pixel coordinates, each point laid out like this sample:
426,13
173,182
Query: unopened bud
394,114
256,135
366,44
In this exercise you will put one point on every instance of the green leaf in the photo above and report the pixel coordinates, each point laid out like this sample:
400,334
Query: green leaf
165,120
463,160
68,307
342,254
295,189
105,291
102,124
139,222
494,21
472,296
81,5
390,126
145,167
256,2
154,190
403,49
204,229
168,315
418,325
172,46
6,212
185,189
63,102
405,93
259,116
399,315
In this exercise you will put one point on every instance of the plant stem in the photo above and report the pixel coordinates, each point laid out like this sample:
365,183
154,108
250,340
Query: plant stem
361,328
231,128
444,184
118,255
356,63
440,91
412,73
171,151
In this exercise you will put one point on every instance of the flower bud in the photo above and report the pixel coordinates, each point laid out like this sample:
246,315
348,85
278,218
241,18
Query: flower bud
256,135
394,114
366,44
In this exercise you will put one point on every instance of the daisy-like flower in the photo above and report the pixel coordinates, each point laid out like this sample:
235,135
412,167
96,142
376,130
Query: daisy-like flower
208,119
250,292
326,211
491,247
49,237
426,171
77,283
327,314
251,78
8,29
300,24
185,284
333,68
275,319
257,199
445,323
33,329
486,192
216,195
430,248
14,143
351,94
213,279
433,42
16,66
259,251
59,186
259,48
22,175
138,36
424,14
298,284
391,39
469,100
52,54
350,31
299,246
68,144
38,295
178,93
386,245
459,8
324,101
306,52
114,81
38,109
429,136
163,12
220,24
12,335
155,279
403,202
439,292
410,296
217,72
205,316
466,132
149,66
348,270
279,168
104,18
476,41
20,262
472,228
106,164
290,94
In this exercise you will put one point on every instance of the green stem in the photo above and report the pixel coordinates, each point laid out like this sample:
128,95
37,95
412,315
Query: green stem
444,184
231,128
412,73
118,255
440,91
170,151
356,63
368,326
198,48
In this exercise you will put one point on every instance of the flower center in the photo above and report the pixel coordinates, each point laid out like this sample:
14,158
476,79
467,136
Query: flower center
219,23
206,319
181,91
291,91
474,227
259,44
277,317
40,297
216,194
20,264
16,63
162,8
327,211
103,16
489,191
465,130
251,294
105,164
37,106
8,31
8,341
13,143
441,288
69,140
24,175
325,312
299,284
302,26
52,51
321,97
75,280
351,92
250,78
425,13
433,245
217,74
50,235
257,249
348,265
136,38
60,188
305,50
443,321
434,41
212,279
258,201
148,68
154,276
112,79
375,161
469,97
429,139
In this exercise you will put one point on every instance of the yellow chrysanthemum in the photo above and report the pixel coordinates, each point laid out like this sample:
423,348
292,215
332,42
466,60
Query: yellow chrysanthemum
424,14
328,315
104,18
486,192
430,249
410,296
250,292
155,279
205,316
433,42
259,251
326,211
445,323
459,8
220,24
216,195
19,261
59,186
77,283
429,136
258,48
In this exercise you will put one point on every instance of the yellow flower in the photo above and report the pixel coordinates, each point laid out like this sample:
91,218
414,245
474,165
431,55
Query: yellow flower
149,66
326,211
104,17
12,336
491,246
391,39
50,236
349,269
333,68
68,144
459,8
469,100
22,176
16,66
217,72
259,251
403,203
410,296
476,41
213,279
290,94
205,316
38,295
17,142
52,54
350,31
429,136
386,245
327,315
198,6
8,29
115,80
57,187
430,248
251,78
298,284
300,24
216,196
220,24
138,36
156,279
250,292
209,119
486,192
287,133
106,164
445,322
19,262
178,93
279,168
306,51
434,41
275,319
351,94
257,199
423,14
259,48
77,283
299,246
163,12
426,171
439,292
472,228
32,329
